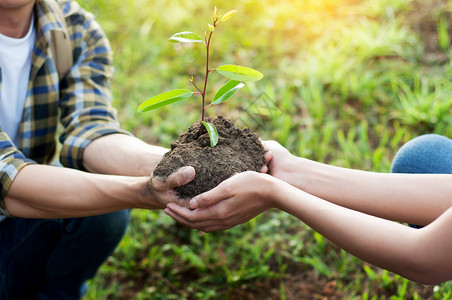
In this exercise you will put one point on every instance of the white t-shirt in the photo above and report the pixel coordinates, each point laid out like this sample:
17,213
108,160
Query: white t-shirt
15,65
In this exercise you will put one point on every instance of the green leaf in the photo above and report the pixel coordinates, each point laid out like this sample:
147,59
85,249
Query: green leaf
227,90
164,99
213,133
239,73
227,15
186,37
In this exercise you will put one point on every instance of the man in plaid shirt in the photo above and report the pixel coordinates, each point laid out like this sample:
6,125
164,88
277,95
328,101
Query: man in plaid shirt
58,225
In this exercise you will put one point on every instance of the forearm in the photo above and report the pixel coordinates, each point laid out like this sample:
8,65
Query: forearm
413,198
40,191
121,154
384,243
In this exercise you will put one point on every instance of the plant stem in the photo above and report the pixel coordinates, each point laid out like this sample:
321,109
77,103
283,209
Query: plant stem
203,94
207,74
199,91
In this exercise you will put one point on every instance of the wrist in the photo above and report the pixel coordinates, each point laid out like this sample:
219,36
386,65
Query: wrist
271,191
146,197
291,170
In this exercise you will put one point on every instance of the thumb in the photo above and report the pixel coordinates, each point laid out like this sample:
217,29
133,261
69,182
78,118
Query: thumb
182,176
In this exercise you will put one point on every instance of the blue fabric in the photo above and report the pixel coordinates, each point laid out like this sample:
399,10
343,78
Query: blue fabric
426,154
52,259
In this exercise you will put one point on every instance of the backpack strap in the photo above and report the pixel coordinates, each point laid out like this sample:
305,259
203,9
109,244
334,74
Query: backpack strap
60,42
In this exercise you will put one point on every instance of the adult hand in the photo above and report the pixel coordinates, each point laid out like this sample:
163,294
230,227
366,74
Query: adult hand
234,201
279,160
163,189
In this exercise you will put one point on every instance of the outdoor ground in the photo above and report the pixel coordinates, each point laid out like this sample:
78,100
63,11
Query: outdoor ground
347,82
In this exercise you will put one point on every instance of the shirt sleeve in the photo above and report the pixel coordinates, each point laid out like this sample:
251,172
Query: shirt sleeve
11,161
86,101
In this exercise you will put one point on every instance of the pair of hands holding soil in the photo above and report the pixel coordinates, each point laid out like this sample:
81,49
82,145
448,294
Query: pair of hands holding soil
234,201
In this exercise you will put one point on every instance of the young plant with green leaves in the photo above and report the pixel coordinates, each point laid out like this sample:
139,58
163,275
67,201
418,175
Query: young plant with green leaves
237,75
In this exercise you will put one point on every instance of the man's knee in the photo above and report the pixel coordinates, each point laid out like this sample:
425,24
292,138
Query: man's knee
430,153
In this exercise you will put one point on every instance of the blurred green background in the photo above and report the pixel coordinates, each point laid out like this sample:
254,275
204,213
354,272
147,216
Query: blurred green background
347,82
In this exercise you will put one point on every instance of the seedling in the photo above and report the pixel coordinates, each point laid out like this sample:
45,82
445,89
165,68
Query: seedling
237,75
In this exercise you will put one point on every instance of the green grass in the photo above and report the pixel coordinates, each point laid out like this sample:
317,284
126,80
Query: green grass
346,82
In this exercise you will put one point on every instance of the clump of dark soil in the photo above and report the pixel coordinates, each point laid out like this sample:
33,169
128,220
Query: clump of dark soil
237,151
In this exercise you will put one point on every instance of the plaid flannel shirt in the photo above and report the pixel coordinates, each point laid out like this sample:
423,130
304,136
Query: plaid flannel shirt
81,101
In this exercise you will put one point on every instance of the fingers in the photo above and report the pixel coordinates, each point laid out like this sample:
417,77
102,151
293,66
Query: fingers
178,213
206,219
202,219
187,214
210,198
272,145
182,176
267,155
